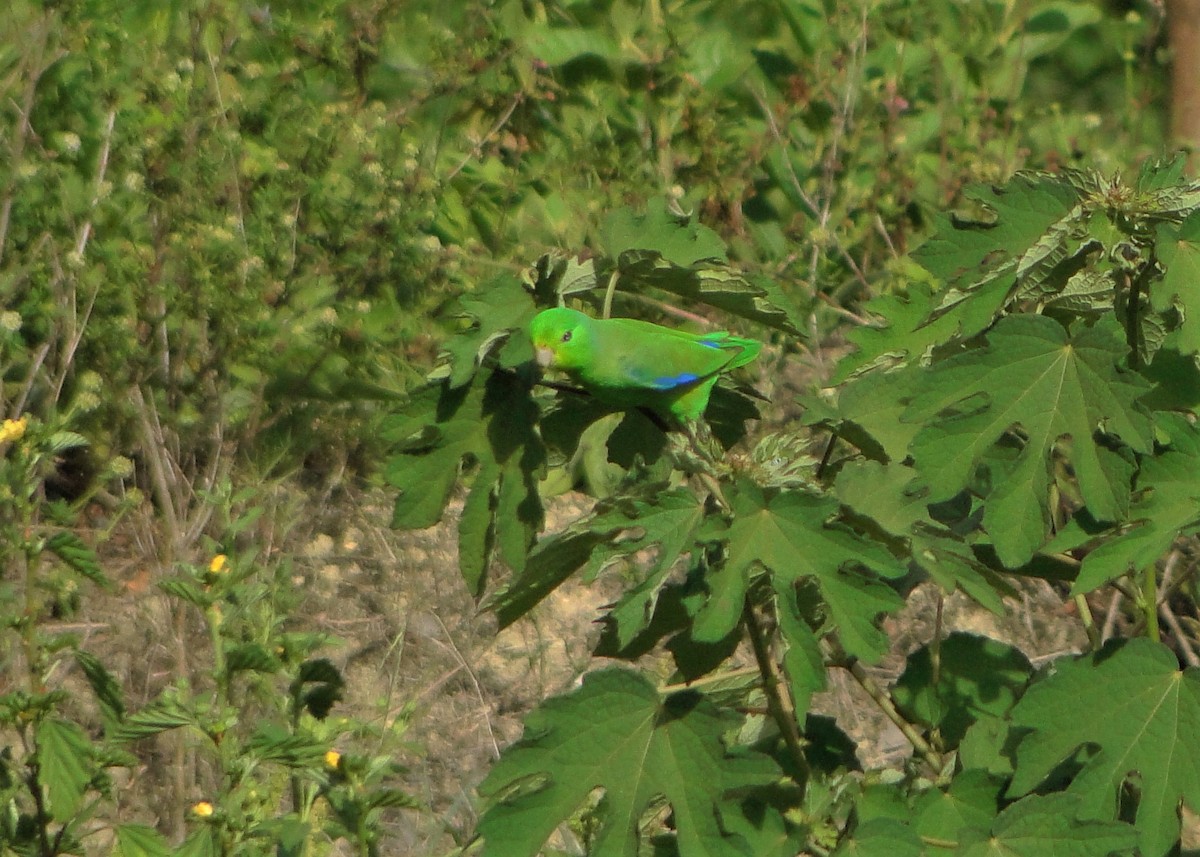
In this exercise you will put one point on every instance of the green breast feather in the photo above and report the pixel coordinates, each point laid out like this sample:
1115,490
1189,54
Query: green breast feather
630,363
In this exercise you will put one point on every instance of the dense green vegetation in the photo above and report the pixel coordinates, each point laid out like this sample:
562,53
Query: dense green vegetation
253,253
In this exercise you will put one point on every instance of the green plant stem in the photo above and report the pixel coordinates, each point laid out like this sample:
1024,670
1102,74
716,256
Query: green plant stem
779,698
32,610
609,292
881,698
1089,621
1150,601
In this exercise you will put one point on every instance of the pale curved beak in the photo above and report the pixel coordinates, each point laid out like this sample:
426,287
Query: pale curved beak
545,357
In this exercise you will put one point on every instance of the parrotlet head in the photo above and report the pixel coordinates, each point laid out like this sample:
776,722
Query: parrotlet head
561,338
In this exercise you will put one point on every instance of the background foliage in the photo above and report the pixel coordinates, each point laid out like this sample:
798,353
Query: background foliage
233,240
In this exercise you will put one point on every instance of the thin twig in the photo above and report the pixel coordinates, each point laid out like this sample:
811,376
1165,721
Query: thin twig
487,719
884,701
495,129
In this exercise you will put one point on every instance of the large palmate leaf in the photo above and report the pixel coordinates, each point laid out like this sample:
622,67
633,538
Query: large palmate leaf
1049,387
616,733
1167,507
1140,714
679,241
788,533
487,424
964,820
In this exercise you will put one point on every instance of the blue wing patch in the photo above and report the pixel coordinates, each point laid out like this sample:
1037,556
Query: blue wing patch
666,382
710,343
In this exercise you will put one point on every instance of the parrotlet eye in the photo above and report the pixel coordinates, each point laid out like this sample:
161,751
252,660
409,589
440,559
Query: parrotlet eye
566,337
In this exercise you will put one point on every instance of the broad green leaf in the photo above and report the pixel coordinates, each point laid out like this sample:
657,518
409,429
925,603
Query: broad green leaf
1168,506
1141,713
64,754
788,533
976,677
138,840
669,521
679,241
1034,378
867,413
550,563
490,424
491,314
1047,826
803,662
1178,249
617,734
755,299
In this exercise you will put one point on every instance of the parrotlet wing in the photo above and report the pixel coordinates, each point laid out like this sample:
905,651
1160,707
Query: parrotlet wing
636,354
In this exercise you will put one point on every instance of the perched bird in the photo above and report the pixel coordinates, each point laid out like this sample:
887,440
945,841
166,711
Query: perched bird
629,363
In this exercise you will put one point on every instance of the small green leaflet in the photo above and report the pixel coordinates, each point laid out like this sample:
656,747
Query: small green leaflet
787,533
488,423
617,734
1033,377
1178,249
80,558
64,754
1132,703
1168,506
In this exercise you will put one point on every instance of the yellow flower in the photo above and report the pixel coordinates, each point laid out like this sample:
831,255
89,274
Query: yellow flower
217,566
332,758
13,429
203,809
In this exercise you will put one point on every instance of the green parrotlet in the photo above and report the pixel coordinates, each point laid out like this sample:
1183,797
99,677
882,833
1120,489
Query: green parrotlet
629,363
